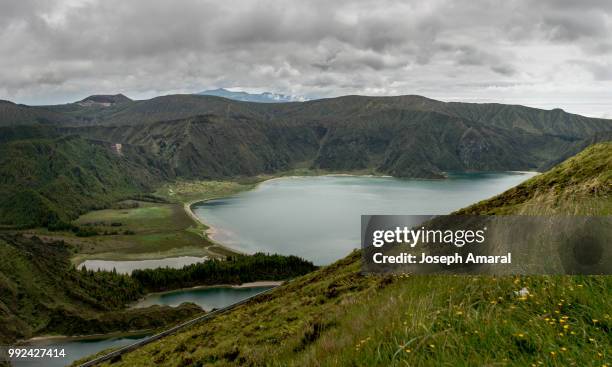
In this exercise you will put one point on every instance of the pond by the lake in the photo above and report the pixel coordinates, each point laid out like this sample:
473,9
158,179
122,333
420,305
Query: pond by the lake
318,218
207,297
126,267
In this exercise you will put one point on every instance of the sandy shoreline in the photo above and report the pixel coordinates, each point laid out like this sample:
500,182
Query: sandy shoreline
209,232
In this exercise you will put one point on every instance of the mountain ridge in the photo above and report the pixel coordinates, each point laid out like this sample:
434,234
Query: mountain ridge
265,97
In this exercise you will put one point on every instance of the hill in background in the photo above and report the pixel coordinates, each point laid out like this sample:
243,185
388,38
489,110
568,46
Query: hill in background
265,97
407,136
103,100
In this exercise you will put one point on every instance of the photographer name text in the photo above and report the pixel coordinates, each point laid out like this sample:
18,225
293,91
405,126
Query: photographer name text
424,258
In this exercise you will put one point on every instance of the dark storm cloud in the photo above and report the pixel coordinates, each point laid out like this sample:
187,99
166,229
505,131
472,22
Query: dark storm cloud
60,50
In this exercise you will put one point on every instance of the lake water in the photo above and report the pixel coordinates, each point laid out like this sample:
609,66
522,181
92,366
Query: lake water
208,298
126,267
318,218
74,349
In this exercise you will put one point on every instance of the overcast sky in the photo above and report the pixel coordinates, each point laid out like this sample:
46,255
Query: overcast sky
544,53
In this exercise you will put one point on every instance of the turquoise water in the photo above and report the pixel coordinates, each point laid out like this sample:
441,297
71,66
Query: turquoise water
208,298
318,218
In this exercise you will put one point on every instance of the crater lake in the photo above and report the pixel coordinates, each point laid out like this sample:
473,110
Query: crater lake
318,217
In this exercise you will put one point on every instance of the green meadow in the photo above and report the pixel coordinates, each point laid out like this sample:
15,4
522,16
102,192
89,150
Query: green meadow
153,230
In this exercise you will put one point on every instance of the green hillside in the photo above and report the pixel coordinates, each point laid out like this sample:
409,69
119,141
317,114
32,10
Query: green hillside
44,181
91,110
42,293
582,185
210,146
12,114
337,317
410,136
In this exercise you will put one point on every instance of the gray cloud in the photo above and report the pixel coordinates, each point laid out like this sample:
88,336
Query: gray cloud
600,71
515,51
569,27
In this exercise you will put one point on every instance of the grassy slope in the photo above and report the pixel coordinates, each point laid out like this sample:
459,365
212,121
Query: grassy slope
40,293
581,185
337,317
150,231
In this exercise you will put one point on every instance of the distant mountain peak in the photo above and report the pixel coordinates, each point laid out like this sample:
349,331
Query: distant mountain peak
265,97
104,100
